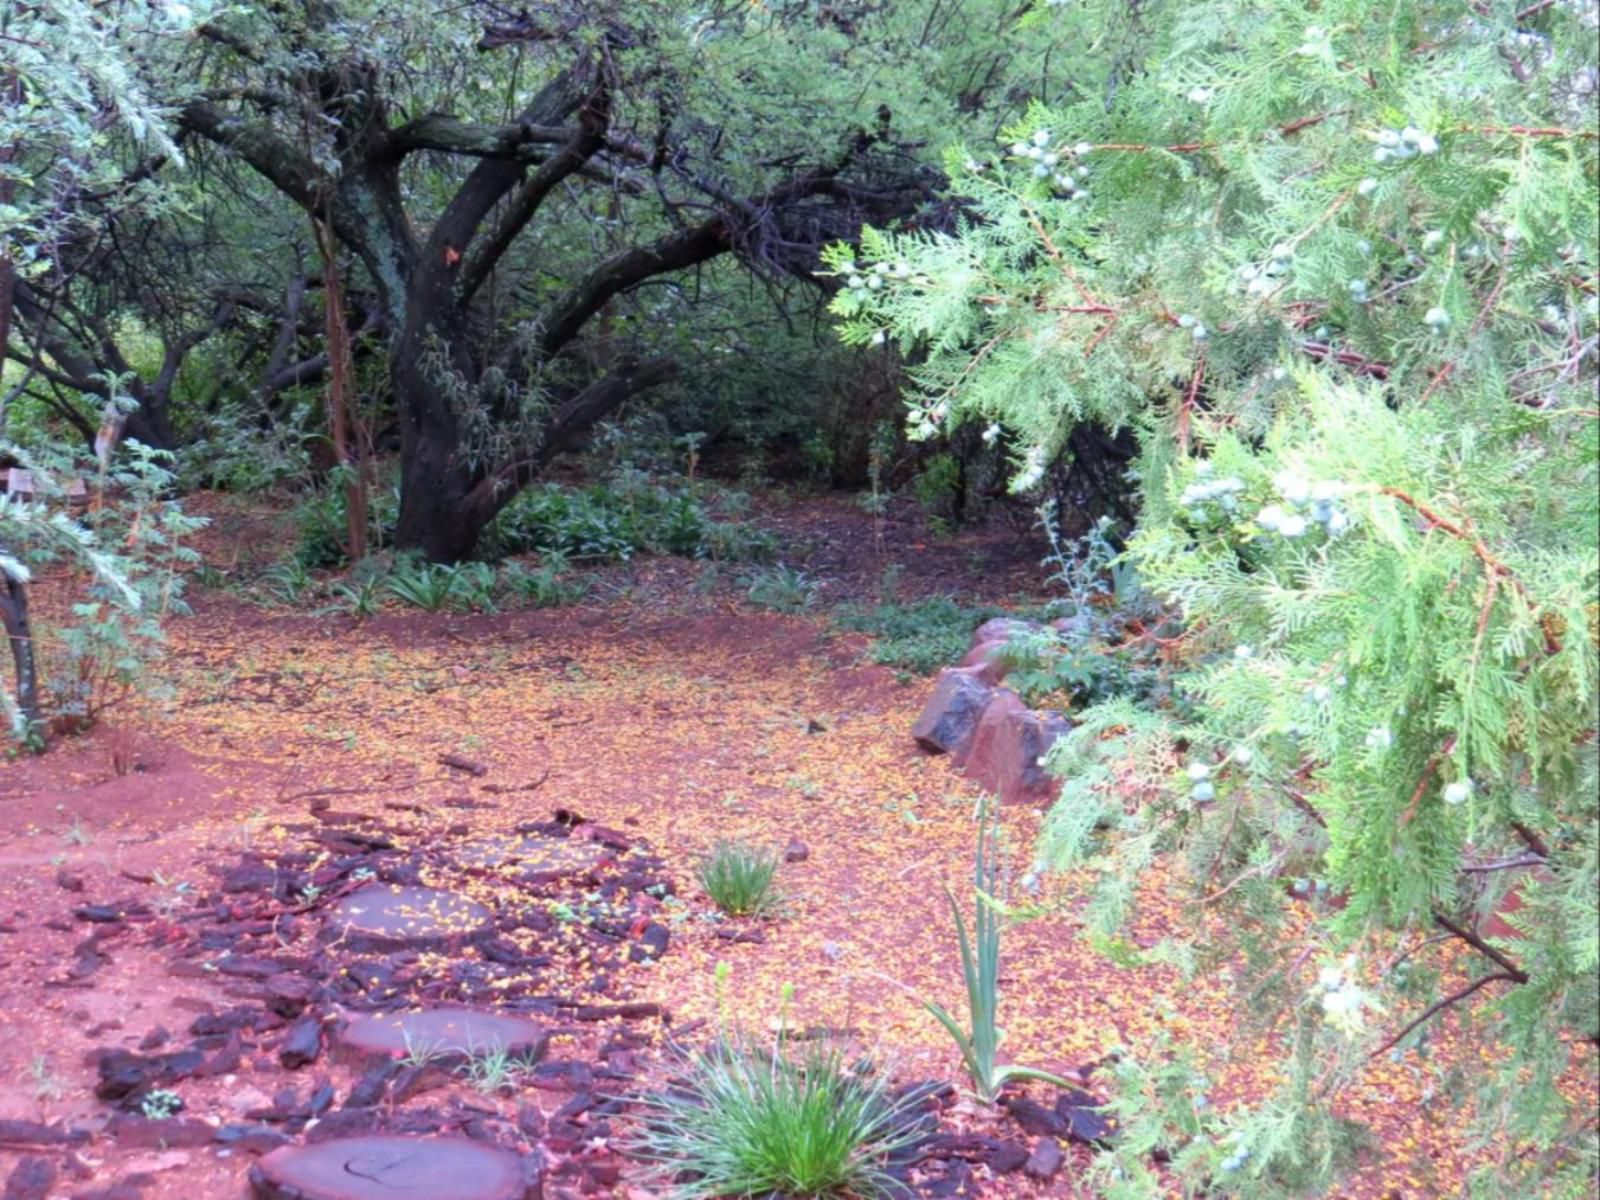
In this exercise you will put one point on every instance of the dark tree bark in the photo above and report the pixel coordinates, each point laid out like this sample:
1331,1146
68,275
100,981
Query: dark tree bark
14,619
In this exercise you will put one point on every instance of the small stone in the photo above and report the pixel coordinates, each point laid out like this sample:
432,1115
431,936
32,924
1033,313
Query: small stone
796,851
303,1044
32,1180
652,943
1045,1160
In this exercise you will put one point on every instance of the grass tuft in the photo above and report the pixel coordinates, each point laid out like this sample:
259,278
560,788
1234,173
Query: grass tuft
748,1122
740,879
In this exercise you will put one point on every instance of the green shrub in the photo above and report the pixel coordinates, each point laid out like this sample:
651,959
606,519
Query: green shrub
428,586
740,879
615,521
131,549
322,528
921,636
782,589
550,586
743,1121
475,586
1337,280
288,581
938,487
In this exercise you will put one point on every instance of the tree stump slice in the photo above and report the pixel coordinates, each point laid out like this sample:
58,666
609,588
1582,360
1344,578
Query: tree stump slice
532,859
391,1167
443,1035
379,920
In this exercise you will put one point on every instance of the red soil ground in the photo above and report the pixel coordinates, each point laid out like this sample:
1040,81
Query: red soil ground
680,718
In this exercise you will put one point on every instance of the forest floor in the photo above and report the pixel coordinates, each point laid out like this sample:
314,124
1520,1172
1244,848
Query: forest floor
669,716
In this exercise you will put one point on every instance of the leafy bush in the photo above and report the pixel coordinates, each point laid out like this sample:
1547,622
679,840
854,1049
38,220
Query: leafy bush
549,586
428,586
617,521
289,581
322,527
740,880
743,1121
475,586
130,543
922,636
938,487
1045,664
782,589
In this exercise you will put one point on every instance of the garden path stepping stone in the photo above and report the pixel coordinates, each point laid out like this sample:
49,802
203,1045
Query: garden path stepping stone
530,858
382,919
391,1167
442,1035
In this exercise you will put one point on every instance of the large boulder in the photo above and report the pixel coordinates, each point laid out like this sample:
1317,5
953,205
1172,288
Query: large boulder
1003,754
986,662
952,712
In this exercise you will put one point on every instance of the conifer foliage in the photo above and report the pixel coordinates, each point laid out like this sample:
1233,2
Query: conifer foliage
1335,265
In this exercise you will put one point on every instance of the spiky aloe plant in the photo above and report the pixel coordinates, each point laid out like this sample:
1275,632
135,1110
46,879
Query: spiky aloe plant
980,964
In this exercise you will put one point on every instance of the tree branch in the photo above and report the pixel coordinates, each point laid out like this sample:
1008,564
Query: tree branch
1439,1006
523,203
1511,969
518,140
282,164
672,252
601,398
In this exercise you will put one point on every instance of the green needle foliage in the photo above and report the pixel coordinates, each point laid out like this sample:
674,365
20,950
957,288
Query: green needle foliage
750,1122
1338,276
740,879
980,966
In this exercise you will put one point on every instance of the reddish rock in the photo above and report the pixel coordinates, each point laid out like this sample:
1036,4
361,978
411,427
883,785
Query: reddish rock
32,1180
1003,755
952,713
1001,629
986,662
383,1167
441,1035
135,1131
381,919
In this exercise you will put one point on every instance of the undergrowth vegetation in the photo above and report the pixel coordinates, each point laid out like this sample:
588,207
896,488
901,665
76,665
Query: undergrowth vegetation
743,1119
740,879
918,637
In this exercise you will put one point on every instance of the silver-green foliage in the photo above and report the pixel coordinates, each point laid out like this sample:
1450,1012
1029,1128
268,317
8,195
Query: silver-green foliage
129,544
1340,278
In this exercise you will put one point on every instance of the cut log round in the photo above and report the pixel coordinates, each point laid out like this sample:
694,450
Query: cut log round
389,1167
442,1035
531,858
377,920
